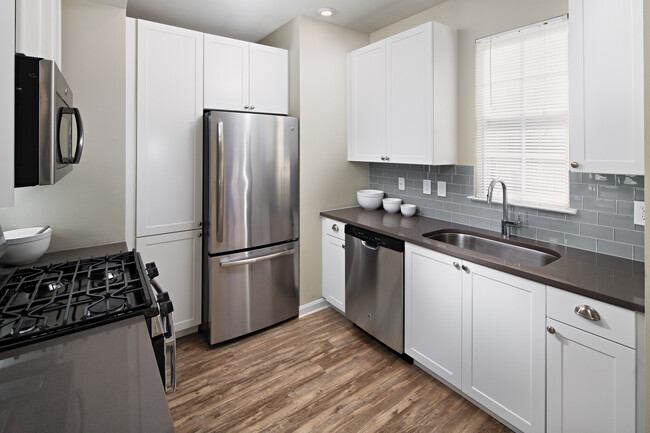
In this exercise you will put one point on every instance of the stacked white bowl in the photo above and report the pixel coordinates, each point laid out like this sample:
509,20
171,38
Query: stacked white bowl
370,199
25,246
408,209
391,205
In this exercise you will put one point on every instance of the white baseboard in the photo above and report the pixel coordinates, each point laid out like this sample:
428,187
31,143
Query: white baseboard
312,307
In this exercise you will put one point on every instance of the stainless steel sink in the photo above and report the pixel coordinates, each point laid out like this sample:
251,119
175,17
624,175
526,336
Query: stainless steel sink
505,249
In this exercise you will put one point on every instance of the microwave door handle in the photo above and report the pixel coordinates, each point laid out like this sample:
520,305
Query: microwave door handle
63,159
80,136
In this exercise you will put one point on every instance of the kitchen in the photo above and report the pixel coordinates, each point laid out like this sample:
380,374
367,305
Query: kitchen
96,204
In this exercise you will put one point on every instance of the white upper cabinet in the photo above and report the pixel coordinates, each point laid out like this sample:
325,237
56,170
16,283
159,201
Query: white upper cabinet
242,76
38,29
402,104
169,129
7,108
606,86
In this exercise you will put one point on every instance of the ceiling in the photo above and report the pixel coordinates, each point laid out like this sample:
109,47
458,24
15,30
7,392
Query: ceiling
252,20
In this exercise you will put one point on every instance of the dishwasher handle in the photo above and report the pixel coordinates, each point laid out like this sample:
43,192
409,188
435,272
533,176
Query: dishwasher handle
370,246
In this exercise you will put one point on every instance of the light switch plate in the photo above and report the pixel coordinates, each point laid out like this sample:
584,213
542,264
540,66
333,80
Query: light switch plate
639,213
401,185
426,186
442,189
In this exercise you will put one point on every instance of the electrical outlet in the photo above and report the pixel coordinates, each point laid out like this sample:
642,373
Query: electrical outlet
426,186
401,185
639,213
442,189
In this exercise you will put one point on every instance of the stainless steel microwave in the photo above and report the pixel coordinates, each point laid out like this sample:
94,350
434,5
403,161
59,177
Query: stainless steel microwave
47,142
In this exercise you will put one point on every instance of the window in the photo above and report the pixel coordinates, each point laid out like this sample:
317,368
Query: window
522,114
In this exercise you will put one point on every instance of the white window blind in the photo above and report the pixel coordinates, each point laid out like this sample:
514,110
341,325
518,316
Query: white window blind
522,114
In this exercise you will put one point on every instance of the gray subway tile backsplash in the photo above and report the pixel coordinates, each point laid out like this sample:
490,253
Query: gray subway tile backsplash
604,202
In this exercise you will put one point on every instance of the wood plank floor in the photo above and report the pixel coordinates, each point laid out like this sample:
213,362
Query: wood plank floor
315,374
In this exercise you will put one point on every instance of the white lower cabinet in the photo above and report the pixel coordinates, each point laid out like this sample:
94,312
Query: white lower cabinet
178,259
500,320
433,311
333,251
590,366
504,345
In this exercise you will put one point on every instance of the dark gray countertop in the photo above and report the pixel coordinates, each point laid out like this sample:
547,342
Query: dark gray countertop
103,379
607,278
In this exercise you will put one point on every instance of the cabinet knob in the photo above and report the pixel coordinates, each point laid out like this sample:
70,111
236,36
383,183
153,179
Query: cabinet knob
335,227
200,223
252,107
587,312
575,164
343,246
550,329
465,268
246,107
383,158
456,265
387,159
200,235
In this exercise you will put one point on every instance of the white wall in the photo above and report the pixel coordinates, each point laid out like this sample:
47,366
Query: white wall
327,180
87,206
475,19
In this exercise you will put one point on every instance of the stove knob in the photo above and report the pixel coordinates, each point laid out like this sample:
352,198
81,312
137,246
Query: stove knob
152,270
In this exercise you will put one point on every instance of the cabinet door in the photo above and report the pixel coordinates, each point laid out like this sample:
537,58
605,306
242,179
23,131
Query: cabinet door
226,74
169,129
432,311
409,74
504,345
590,381
334,271
7,107
178,258
38,29
367,103
269,79
606,85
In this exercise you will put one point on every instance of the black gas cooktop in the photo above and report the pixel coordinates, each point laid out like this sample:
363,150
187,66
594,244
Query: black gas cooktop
41,302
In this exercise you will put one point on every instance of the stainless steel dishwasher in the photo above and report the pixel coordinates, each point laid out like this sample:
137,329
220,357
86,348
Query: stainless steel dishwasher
374,285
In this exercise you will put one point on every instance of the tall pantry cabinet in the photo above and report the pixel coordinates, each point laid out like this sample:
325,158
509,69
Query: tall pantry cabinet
169,108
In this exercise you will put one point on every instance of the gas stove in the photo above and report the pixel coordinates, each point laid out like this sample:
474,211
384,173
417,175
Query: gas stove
41,302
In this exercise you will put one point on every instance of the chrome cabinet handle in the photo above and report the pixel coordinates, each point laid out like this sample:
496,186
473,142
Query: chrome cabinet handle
456,265
550,329
587,312
465,268
221,182
226,264
575,164
335,227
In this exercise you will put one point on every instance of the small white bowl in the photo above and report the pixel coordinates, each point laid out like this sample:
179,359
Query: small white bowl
391,205
369,199
408,209
25,246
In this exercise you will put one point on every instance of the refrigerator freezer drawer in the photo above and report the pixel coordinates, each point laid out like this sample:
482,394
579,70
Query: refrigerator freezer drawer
252,290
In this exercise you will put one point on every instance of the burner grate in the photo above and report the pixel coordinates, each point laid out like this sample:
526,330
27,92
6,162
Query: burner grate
40,302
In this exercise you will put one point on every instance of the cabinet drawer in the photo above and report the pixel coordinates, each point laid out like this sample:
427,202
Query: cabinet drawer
615,323
334,228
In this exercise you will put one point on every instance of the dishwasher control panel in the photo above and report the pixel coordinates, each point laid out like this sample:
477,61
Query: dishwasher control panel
375,239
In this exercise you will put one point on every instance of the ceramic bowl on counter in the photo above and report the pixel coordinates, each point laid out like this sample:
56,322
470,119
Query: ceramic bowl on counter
391,205
370,199
25,246
408,209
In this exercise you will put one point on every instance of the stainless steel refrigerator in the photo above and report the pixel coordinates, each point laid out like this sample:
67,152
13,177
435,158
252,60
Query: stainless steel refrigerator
250,214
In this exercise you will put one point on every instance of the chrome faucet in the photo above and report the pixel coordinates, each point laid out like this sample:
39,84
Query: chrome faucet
505,222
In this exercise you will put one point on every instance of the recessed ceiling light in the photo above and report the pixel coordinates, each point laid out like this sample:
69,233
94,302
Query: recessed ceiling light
325,12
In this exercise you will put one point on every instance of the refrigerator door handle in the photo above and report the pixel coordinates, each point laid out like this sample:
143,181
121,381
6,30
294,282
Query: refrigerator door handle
221,184
225,263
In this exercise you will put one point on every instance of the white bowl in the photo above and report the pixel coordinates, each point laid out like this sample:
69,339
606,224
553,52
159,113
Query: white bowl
369,199
391,205
25,246
408,209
